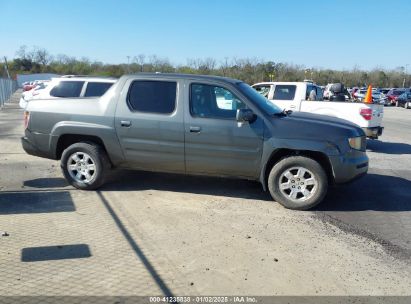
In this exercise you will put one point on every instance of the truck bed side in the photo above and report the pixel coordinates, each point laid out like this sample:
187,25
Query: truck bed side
50,119
346,110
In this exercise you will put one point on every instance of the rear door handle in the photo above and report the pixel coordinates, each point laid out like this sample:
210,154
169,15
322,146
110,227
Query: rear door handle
195,129
125,123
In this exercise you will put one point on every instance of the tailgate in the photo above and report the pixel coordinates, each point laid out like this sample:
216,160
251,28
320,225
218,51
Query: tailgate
377,115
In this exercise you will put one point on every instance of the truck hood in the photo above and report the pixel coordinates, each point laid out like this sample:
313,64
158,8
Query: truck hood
315,126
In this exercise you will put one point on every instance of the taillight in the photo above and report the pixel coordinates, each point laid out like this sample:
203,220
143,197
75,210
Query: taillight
366,113
26,119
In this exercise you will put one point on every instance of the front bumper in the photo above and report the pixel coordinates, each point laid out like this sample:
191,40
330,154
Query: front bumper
349,166
373,132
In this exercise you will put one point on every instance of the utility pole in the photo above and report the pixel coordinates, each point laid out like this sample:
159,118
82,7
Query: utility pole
405,75
128,64
6,67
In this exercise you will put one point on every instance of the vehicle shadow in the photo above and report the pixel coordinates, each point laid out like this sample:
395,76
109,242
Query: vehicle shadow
372,192
388,147
125,180
59,252
37,201
46,183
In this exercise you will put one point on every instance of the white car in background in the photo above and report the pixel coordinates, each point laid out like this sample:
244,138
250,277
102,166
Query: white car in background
72,87
36,90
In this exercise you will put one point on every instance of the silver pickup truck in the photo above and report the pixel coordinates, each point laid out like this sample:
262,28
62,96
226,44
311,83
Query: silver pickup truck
195,124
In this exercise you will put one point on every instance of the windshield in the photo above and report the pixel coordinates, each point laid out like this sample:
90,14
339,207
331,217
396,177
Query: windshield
262,102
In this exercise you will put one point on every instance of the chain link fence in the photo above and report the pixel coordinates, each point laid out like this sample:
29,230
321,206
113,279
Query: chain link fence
7,88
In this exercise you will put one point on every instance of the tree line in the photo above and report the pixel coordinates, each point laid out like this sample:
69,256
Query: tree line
250,70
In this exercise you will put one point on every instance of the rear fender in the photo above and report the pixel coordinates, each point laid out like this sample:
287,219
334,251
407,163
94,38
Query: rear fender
107,135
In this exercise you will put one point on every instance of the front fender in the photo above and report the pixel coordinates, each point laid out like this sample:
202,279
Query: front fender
277,145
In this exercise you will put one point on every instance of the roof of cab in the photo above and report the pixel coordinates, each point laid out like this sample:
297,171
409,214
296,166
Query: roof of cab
182,76
86,78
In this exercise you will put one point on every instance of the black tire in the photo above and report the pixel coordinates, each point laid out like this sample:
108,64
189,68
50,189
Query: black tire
99,159
313,168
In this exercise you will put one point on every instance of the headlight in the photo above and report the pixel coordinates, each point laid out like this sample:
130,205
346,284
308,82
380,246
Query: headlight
357,143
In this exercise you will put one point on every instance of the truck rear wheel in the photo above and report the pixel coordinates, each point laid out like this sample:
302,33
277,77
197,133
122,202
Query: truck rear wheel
84,165
298,182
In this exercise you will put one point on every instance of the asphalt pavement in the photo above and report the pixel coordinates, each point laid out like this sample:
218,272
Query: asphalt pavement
379,204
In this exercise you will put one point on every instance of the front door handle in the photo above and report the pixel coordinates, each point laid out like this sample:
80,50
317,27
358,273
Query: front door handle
195,129
125,123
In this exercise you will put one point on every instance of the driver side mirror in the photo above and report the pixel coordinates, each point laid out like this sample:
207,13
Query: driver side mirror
244,115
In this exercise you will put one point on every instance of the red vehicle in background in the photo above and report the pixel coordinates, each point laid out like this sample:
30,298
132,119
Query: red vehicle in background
354,92
393,94
28,86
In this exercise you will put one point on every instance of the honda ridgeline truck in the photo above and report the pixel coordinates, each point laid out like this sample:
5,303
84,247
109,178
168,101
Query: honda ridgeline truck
197,125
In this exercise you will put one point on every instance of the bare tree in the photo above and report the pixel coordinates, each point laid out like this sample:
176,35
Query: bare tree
225,67
140,60
41,56
22,52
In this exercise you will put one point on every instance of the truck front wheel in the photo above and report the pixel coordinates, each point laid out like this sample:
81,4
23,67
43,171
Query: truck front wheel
84,165
298,182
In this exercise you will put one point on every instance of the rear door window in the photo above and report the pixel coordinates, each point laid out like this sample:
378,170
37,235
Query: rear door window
67,89
96,89
152,96
284,92
263,89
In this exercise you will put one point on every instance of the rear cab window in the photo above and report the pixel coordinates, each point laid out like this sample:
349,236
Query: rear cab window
263,89
284,92
308,92
96,89
67,89
318,92
149,96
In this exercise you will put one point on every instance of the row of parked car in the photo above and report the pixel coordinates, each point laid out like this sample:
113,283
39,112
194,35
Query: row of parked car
399,97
